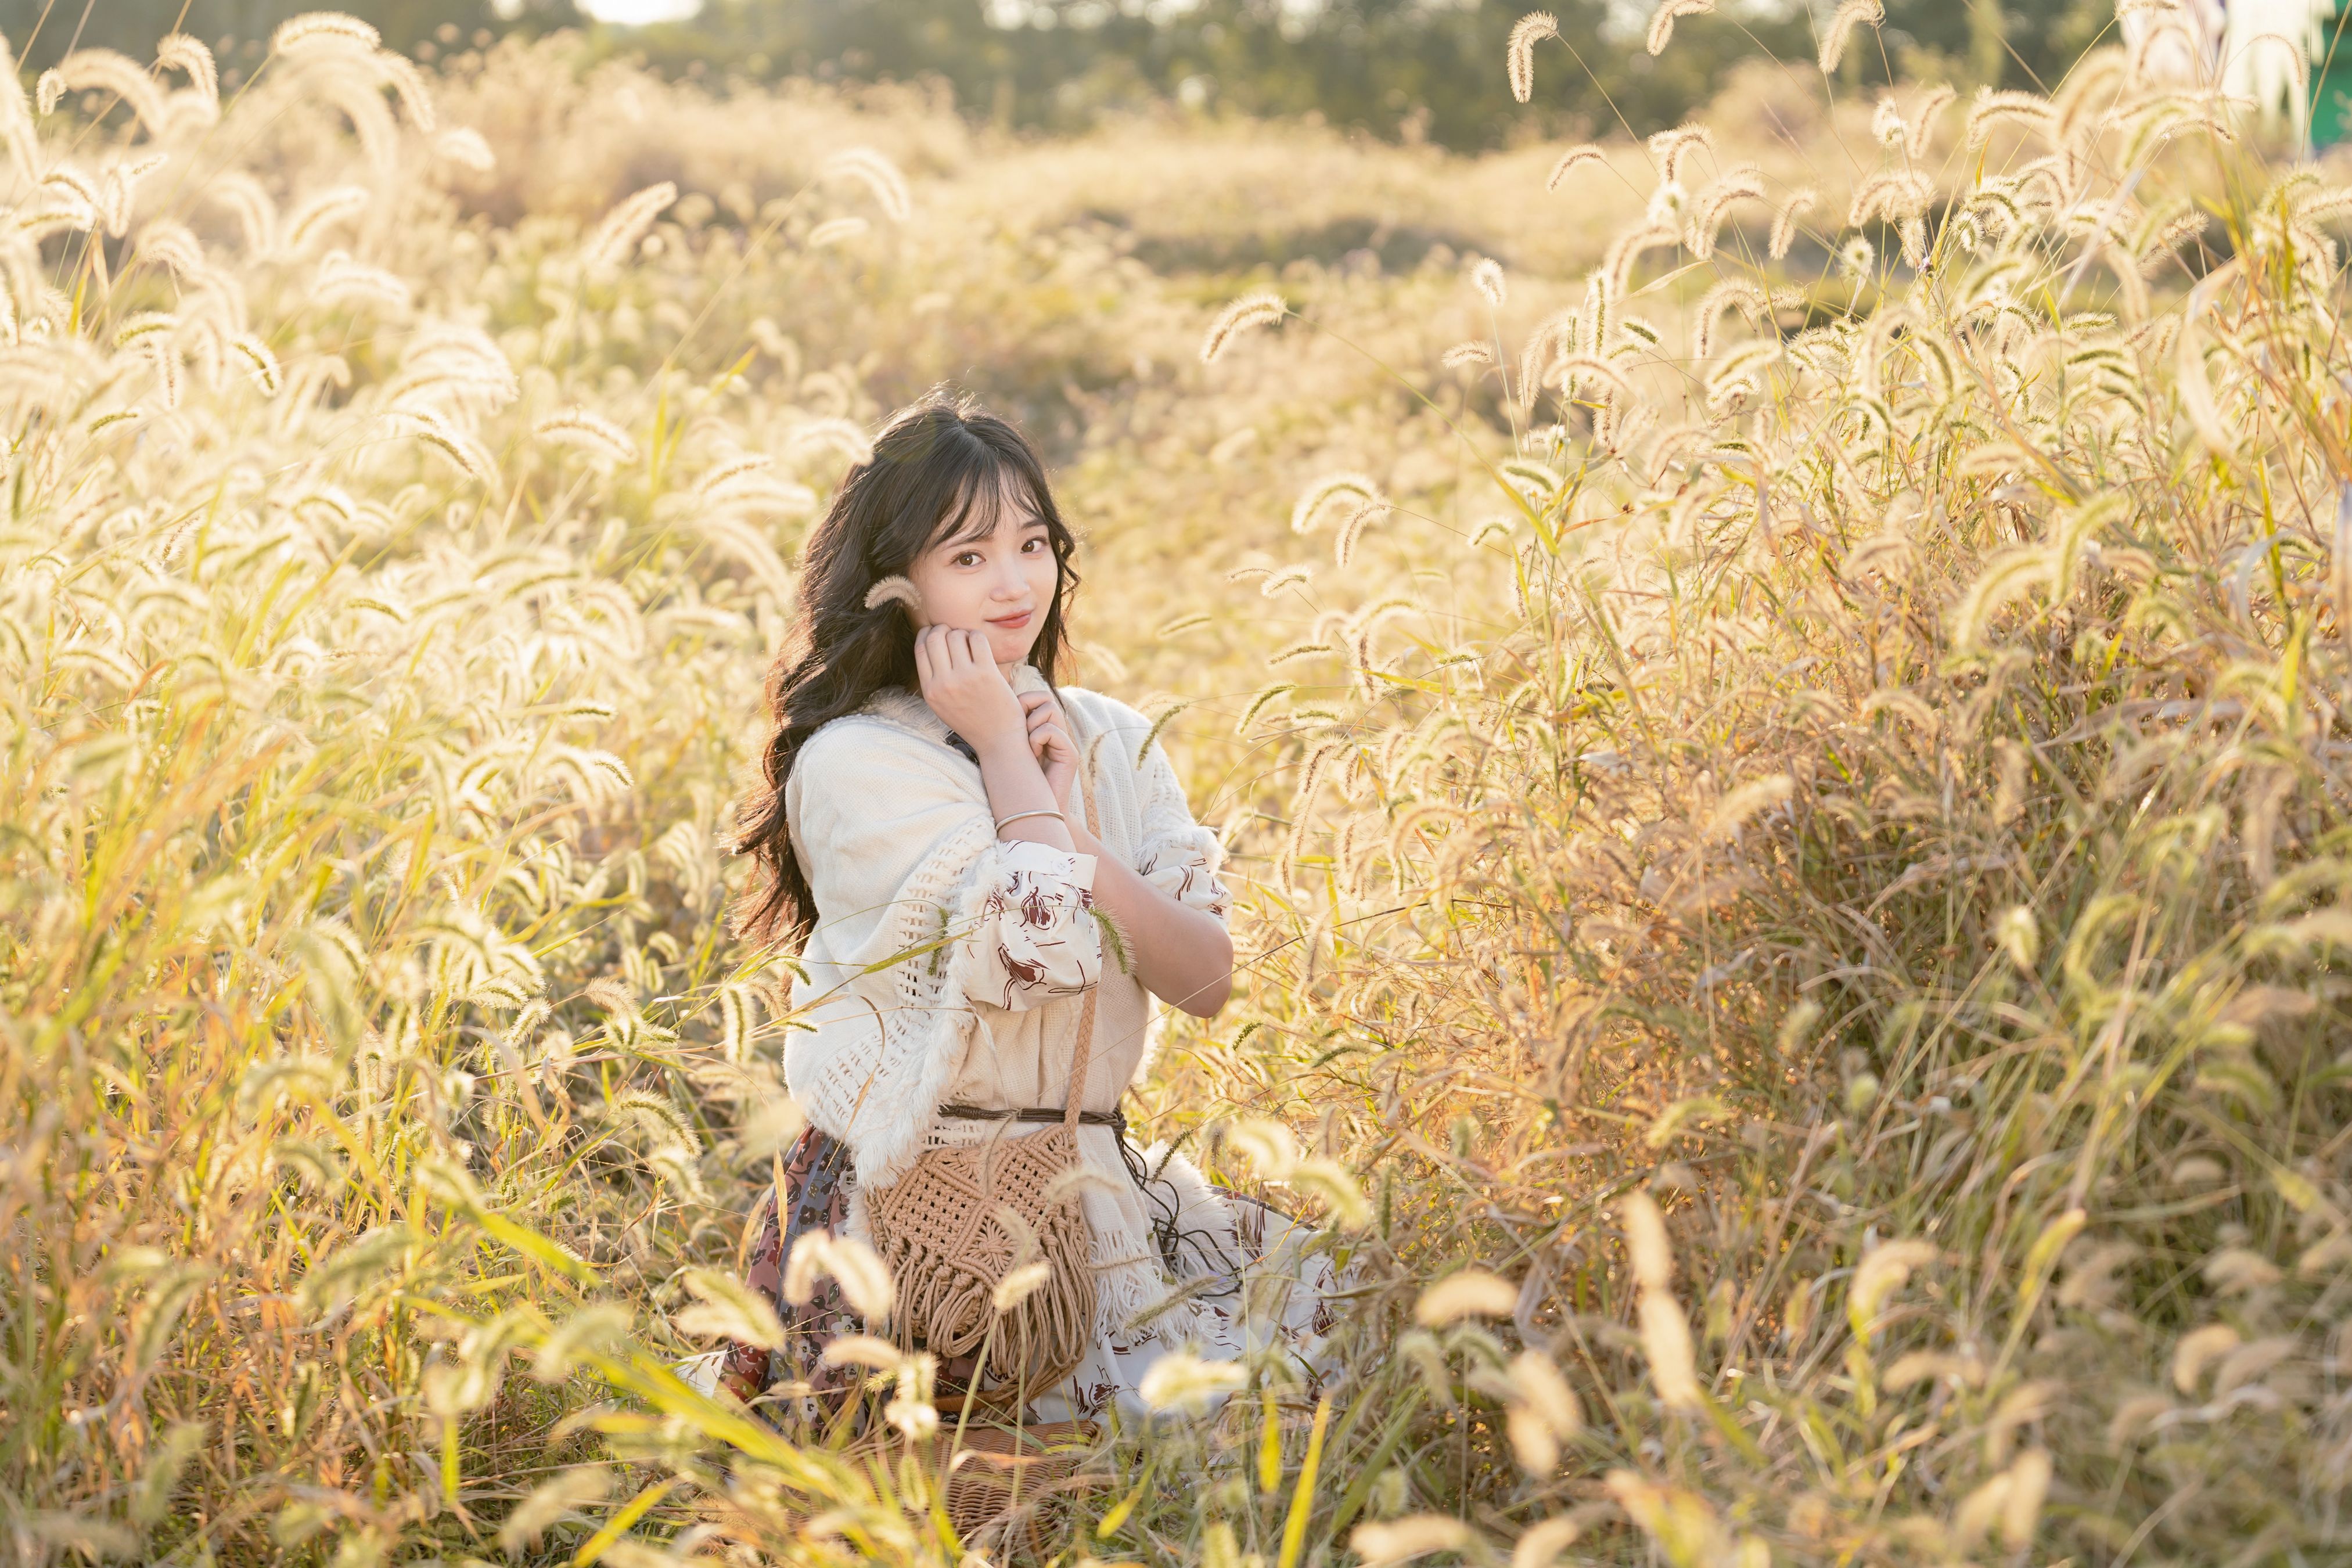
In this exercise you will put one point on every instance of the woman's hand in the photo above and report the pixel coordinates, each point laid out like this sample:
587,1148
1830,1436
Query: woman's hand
964,688
1050,743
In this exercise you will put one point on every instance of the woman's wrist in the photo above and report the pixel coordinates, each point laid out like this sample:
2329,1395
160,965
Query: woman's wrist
1018,791
1008,747
1047,830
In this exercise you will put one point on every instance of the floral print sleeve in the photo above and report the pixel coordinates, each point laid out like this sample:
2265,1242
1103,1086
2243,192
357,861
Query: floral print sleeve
1178,855
1028,933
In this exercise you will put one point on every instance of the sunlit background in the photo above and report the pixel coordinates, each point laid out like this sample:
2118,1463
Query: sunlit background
1399,69
1760,598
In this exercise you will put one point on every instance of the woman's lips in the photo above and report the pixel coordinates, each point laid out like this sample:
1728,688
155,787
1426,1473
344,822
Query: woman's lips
1012,623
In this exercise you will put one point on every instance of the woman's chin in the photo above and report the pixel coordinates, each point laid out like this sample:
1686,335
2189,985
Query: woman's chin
1011,648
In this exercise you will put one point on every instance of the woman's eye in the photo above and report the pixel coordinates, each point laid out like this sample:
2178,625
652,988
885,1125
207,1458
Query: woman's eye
968,557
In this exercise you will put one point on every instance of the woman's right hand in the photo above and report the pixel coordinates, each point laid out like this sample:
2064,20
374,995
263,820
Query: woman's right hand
964,688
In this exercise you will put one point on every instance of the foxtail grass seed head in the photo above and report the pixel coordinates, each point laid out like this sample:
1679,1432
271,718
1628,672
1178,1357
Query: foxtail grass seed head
1883,1270
869,168
1672,151
1919,122
465,147
1403,1539
1732,293
894,590
1667,1346
1850,15
1350,488
1261,309
1351,528
105,70
1647,1251
1469,1293
566,1495
323,30
1993,109
616,237
836,231
1487,277
1886,126
1662,21
1537,1380
1571,160
588,431
726,1309
1180,1380
1784,225
1544,1541
1521,56
870,1352
1714,203
409,90
1019,1284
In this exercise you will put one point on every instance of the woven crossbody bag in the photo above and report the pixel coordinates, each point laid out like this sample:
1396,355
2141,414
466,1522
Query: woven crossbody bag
941,1230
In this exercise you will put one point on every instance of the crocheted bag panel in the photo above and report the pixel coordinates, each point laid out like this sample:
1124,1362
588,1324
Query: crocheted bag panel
943,1236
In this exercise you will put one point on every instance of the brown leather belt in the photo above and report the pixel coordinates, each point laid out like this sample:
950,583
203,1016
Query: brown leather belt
1035,1113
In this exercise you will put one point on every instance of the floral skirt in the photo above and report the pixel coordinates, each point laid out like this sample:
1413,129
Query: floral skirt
1250,1272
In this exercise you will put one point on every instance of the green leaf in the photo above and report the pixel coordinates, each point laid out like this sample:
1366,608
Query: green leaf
618,1525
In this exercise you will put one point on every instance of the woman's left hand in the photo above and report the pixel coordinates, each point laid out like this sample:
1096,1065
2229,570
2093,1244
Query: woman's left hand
1050,742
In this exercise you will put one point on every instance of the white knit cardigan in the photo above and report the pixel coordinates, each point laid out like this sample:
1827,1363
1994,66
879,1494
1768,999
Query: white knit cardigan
893,828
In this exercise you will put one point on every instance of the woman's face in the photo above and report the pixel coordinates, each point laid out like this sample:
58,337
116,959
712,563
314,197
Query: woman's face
997,579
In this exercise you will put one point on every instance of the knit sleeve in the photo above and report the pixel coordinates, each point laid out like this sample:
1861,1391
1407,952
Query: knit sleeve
1176,854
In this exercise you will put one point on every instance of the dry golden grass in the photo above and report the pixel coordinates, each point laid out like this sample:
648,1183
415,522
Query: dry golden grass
1789,812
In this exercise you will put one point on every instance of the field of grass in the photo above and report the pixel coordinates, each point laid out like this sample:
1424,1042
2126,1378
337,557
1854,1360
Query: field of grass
1774,707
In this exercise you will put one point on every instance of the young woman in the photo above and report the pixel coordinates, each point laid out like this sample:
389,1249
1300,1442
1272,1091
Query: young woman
923,839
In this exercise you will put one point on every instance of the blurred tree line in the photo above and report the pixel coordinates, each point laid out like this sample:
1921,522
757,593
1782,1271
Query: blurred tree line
1405,69
39,32
1409,69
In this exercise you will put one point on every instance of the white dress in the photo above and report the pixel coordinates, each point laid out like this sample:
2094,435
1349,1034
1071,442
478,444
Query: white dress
949,967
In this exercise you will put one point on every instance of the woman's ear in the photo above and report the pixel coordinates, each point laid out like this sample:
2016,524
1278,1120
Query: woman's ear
894,589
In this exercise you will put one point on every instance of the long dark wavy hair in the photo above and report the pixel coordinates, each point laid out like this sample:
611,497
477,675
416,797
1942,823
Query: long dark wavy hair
937,469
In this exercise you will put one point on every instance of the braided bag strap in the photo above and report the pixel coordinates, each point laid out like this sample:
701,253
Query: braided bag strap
1083,1057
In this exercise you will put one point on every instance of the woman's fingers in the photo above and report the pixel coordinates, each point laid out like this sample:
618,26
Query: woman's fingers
1046,736
1051,744
963,686
1042,706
